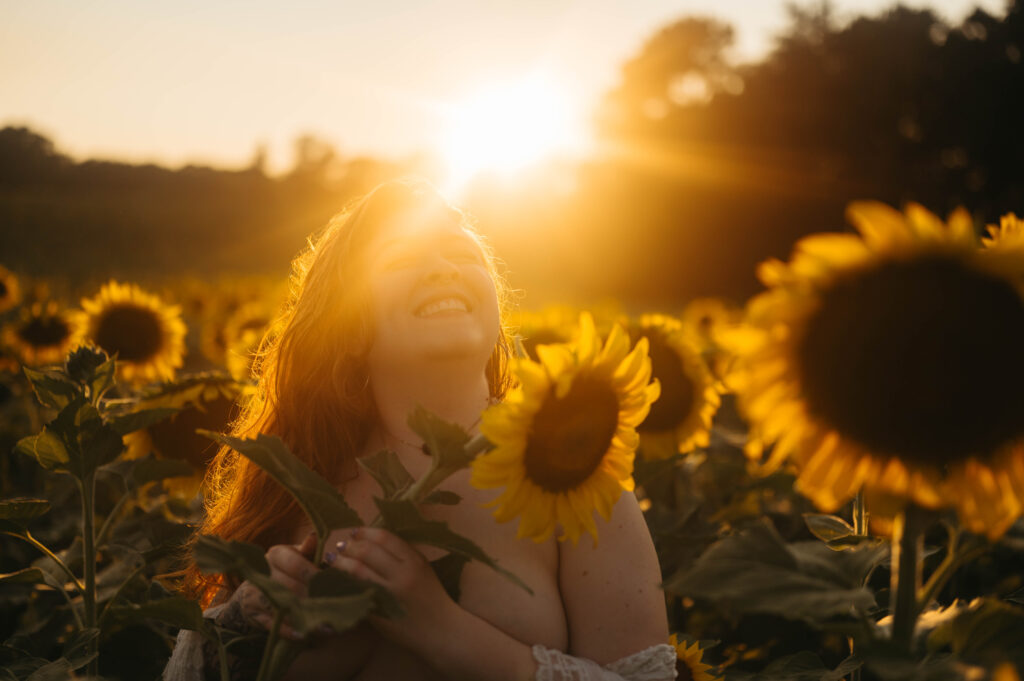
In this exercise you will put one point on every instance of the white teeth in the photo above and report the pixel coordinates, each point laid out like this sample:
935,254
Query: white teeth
441,306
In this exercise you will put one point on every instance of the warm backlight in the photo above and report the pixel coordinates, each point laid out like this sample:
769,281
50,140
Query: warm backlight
509,126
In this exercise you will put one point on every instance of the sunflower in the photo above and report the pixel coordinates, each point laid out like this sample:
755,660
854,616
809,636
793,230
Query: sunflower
702,320
147,335
243,355
553,324
690,665
42,334
1008,233
680,420
210,406
10,292
890,361
565,438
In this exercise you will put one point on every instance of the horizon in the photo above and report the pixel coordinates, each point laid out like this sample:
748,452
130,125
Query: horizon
99,98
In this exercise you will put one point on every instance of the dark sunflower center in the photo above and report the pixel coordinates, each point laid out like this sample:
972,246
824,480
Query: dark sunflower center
42,332
676,400
135,333
571,435
920,359
176,437
3,289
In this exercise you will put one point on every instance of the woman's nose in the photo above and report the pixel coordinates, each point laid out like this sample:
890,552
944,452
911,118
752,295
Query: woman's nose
440,268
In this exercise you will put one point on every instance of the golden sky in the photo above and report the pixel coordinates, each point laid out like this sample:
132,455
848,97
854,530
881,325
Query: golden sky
206,81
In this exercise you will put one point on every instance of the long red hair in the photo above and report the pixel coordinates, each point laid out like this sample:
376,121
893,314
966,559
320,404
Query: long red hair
312,380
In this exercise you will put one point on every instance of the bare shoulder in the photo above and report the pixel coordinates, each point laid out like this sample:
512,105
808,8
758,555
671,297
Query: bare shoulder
611,592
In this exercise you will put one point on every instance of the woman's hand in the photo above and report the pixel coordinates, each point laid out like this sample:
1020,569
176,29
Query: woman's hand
376,555
290,566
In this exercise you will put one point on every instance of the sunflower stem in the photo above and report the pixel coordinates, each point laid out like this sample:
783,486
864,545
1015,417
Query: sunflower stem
860,528
907,547
956,556
860,515
88,487
268,651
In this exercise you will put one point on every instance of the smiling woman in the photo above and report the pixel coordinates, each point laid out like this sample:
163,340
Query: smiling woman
398,304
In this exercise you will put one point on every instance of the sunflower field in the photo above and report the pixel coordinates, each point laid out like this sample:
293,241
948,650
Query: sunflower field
832,472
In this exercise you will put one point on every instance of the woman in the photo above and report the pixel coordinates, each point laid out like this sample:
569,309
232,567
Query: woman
398,304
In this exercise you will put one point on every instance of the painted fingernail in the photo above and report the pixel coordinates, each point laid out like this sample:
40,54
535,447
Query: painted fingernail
341,545
355,533
329,557
325,629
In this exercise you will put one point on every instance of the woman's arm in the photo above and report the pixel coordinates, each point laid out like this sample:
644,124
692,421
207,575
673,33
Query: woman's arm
611,592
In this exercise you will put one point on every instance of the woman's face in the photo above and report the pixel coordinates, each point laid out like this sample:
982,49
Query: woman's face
432,296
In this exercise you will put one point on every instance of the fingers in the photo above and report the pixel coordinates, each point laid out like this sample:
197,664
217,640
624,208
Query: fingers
290,567
375,555
308,547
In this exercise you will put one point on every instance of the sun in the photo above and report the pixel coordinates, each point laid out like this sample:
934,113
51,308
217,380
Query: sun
507,126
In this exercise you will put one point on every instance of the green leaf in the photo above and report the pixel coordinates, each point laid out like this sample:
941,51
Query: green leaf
984,632
387,469
77,648
404,519
137,420
445,441
30,575
442,496
333,583
51,387
58,670
46,448
102,378
23,509
827,527
76,441
213,554
449,571
802,666
176,611
244,560
338,612
324,505
756,572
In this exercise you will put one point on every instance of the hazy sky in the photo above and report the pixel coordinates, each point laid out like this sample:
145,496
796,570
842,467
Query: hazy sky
208,80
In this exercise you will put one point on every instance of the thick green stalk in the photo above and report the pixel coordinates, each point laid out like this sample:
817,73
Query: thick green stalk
269,650
907,547
88,486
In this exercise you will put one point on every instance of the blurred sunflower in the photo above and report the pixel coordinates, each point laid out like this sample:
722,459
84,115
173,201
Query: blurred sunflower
702,320
243,353
147,335
10,292
210,406
42,334
681,418
254,316
1008,233
891,361
553,324
690,665
565,438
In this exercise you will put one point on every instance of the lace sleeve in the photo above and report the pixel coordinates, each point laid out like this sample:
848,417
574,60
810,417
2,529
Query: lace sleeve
195,658
657,663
